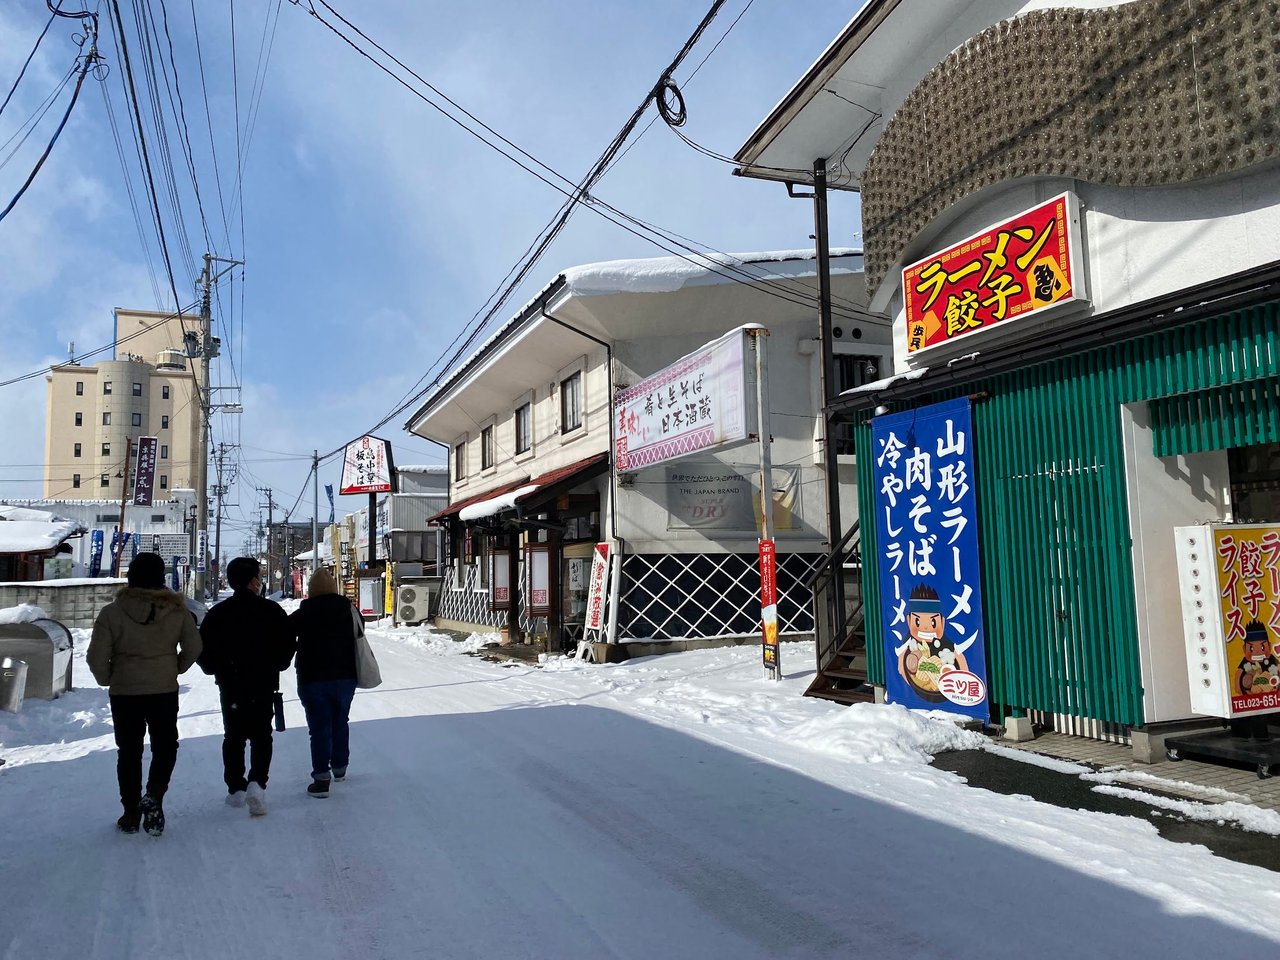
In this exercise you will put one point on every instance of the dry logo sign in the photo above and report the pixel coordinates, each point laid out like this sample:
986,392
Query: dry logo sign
1248,567
928,562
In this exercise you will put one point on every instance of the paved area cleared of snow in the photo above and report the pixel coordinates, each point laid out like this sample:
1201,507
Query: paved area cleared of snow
678,806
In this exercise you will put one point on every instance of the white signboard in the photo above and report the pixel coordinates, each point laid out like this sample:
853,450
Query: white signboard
202,548
698,403
367,467
595,588
706,495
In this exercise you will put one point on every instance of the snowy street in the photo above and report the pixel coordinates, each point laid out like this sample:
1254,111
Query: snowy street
679,806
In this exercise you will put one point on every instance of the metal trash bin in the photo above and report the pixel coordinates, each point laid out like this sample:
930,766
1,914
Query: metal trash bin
13,684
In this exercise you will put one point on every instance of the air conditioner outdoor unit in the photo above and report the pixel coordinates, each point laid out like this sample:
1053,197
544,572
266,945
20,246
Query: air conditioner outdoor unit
413,603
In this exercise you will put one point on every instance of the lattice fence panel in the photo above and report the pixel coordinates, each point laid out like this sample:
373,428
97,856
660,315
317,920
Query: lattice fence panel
471,604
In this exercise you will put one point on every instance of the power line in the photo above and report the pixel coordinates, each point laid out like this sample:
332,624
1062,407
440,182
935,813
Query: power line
23,72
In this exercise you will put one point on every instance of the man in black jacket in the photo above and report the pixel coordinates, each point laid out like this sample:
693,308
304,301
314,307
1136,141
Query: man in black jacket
247,642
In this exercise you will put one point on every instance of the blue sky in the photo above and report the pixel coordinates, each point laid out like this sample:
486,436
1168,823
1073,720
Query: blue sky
373,228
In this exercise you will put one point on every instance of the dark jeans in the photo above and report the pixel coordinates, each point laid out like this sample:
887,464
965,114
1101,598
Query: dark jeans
246,717
328,704
133,716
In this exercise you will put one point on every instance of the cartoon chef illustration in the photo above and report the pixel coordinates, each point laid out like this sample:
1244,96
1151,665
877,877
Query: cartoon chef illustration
928,653
1259,670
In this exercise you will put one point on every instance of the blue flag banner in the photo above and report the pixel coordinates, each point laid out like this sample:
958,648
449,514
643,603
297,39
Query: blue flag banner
930,576
328,489
177,576
95,553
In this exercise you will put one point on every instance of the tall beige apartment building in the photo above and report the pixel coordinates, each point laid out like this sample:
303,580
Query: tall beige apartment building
93,412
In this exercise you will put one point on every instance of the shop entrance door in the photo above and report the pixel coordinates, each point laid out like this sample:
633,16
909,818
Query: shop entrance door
1255,483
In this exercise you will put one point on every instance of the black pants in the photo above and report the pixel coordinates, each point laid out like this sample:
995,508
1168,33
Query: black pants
246,717
133,716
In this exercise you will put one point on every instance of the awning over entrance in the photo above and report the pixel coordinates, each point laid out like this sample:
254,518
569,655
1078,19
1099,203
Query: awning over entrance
526,492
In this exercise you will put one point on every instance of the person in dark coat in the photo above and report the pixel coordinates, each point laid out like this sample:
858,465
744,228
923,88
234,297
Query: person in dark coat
247,643
325,628
141,642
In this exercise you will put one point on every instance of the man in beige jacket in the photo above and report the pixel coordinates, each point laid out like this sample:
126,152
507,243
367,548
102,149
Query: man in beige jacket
141,642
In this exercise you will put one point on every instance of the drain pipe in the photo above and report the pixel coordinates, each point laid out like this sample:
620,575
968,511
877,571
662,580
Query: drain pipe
615,580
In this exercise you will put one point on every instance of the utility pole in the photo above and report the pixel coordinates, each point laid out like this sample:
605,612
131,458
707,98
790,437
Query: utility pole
315,510
219,492
271,544
206,348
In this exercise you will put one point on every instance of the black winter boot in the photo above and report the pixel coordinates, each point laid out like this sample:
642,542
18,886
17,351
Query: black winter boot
318,789
129,821
152,815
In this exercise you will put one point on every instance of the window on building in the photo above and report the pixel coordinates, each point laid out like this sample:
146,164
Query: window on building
106,449
79,388
137,389
164,392
105,481
164,423
75,480
486,448
157,518
137,419
164,481
79,419
106,387
164,451
571,402
460,461
77,449
106,419
524,428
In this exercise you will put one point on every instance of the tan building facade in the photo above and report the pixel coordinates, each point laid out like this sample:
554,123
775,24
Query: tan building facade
93,412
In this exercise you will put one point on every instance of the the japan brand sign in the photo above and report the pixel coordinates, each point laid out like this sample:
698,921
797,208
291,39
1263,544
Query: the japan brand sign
928,561
1029,263
698,403
367,467
1247,559
145,472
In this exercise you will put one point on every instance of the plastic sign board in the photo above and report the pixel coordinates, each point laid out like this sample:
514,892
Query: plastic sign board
928,561
698,403
145,472
1229,580
596,587
1010,271
769,604
367,467
202,548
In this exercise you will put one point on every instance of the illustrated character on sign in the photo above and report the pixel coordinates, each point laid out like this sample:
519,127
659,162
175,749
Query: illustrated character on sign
928,652
1259,670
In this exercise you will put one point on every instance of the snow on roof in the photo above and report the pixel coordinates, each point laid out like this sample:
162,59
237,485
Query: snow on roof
8,512
424,468
667,274
326,553
34,536
878,385
495,505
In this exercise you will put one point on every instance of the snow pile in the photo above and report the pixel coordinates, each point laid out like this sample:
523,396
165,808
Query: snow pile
1245,815
495,505
883,733
667,274
22,613
424,638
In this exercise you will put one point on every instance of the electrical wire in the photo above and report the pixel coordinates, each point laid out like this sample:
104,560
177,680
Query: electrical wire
23,72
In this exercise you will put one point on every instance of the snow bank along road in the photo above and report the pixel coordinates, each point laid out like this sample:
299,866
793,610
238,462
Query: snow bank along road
679,806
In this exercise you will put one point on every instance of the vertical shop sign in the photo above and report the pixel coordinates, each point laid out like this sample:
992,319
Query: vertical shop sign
95,553
500,578
144,477
928,563
202,548
769,604
596,587
1248,567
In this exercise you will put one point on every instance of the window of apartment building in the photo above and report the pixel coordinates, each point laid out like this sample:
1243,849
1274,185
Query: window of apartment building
164,481
137,389
164,392
106,419
157,518
164,451
77,450
524,427
79,419
106,449
105,481
75,480
136,419
106,387
164,423
79,388
460,461
571,402
486,447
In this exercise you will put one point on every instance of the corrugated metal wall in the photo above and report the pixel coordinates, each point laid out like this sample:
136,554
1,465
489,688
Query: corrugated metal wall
1058,577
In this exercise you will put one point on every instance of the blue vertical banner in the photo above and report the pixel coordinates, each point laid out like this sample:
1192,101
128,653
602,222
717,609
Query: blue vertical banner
95,553
328,489
177,575
930,573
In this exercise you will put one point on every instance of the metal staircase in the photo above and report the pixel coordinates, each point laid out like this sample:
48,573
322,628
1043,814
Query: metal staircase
841,655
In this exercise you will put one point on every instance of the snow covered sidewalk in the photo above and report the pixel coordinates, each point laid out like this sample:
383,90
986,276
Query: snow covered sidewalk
680,806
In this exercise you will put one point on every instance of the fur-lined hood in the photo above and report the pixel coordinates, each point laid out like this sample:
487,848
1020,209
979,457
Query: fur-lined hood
148,606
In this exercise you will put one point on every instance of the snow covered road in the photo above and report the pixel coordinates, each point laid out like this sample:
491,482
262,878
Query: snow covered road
680,806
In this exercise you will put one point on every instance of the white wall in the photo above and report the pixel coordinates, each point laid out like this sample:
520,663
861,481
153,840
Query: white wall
1165,493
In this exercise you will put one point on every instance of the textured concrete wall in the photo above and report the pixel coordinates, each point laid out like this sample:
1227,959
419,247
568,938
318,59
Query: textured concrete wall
75,604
